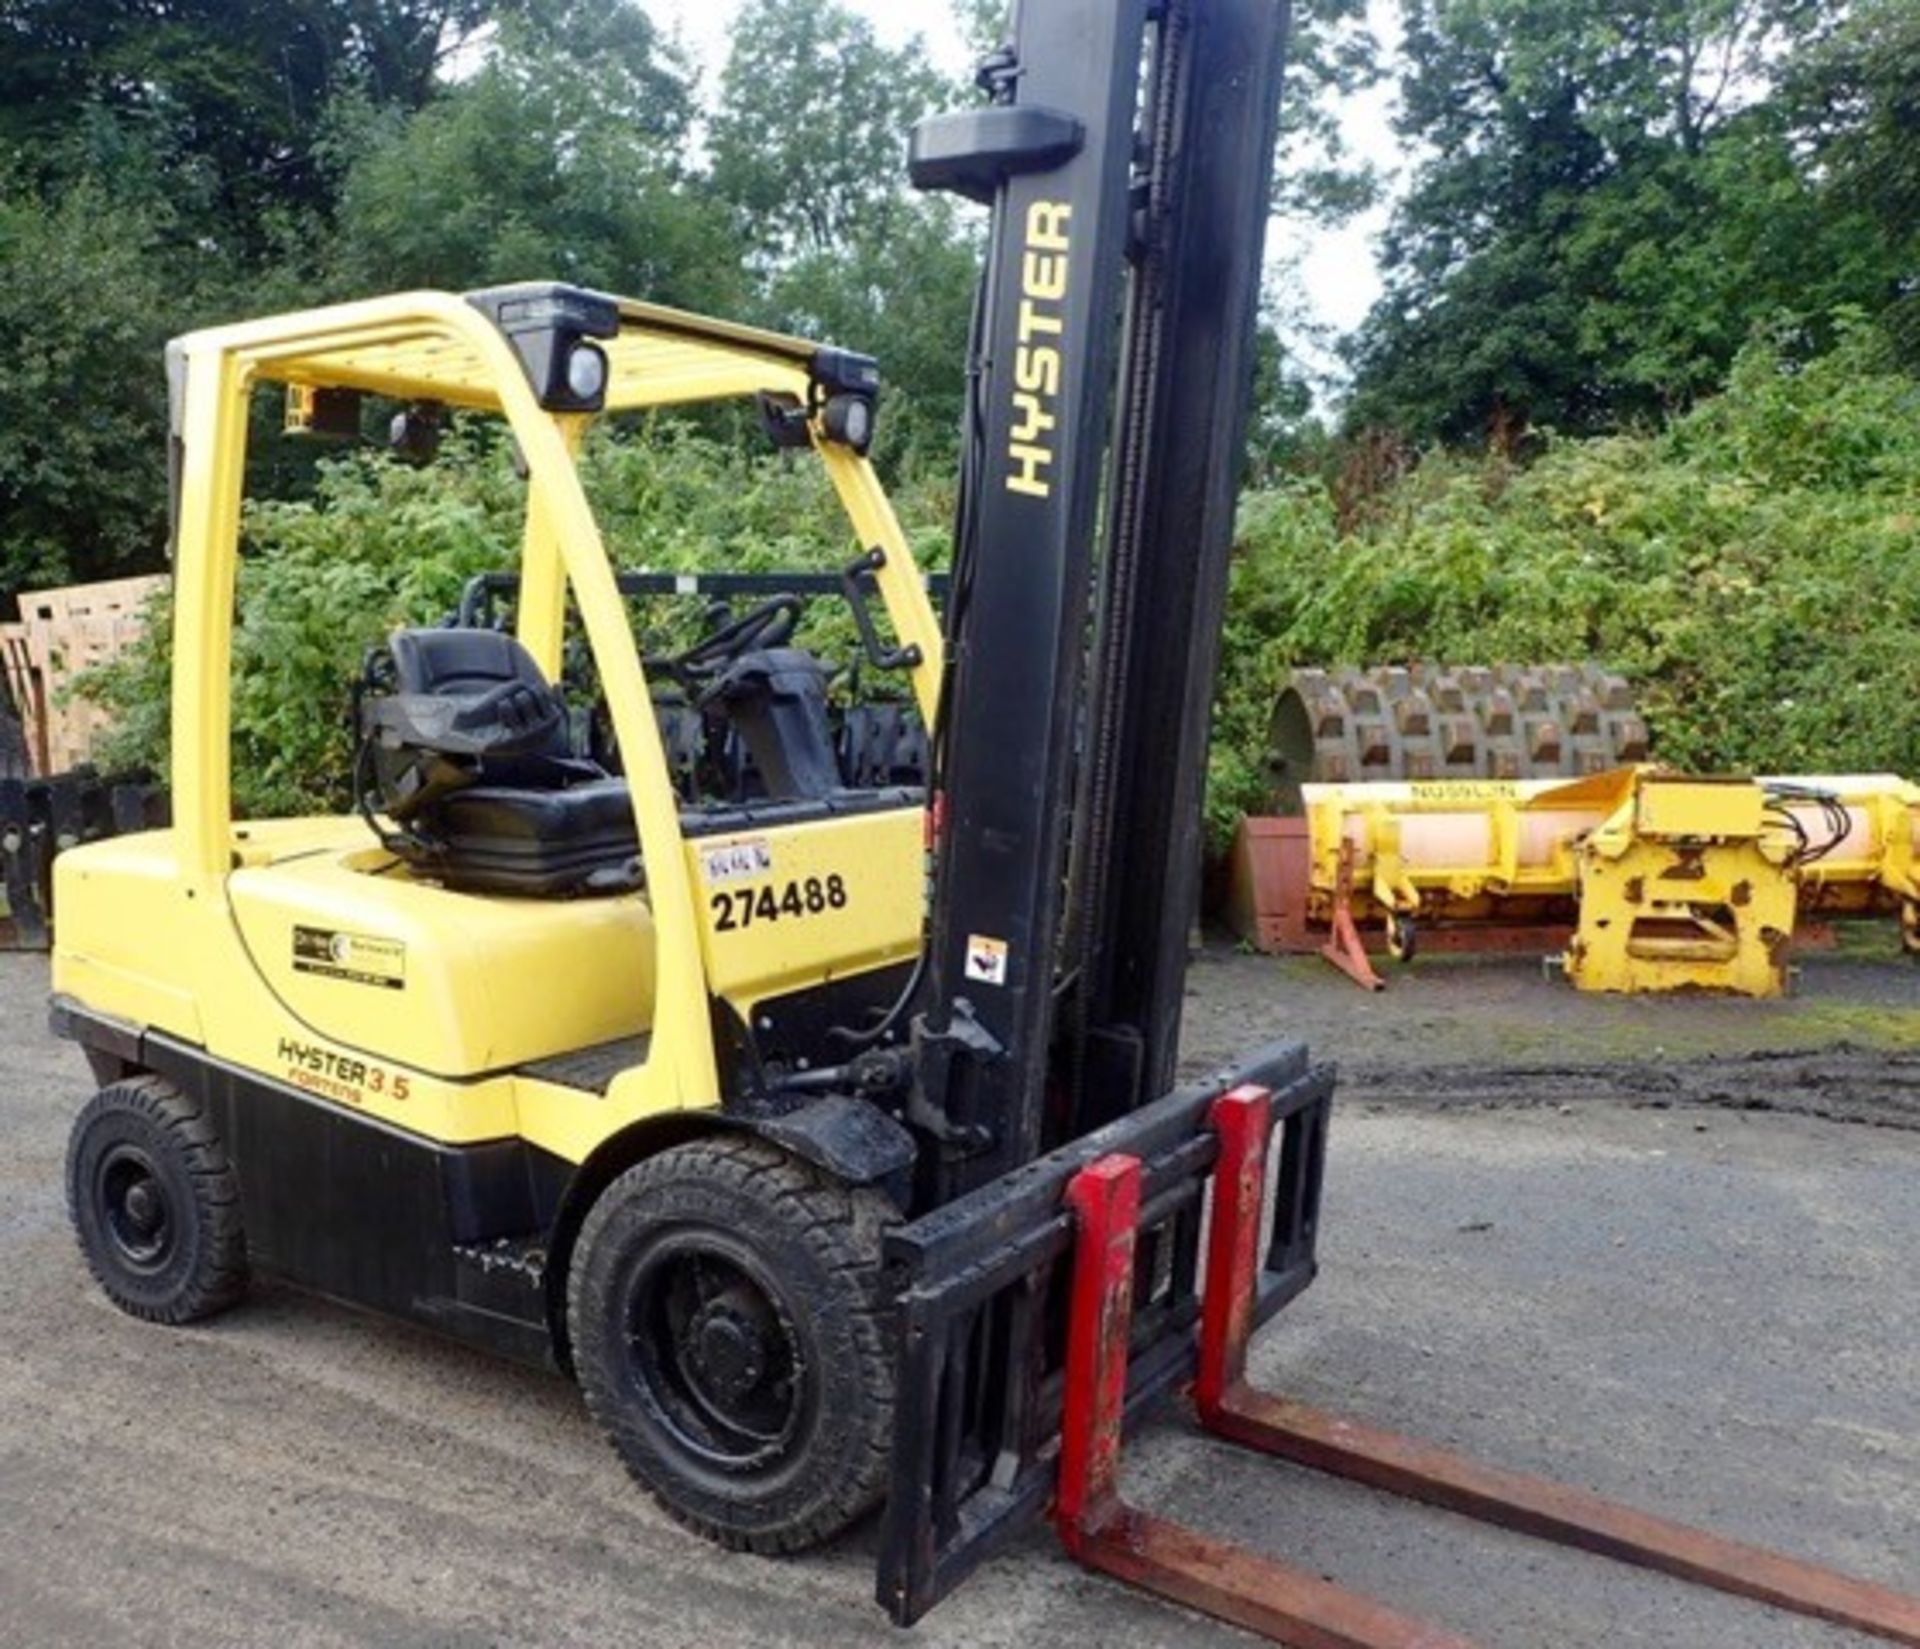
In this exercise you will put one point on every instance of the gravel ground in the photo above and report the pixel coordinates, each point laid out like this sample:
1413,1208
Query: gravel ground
1702,1309
1461,1031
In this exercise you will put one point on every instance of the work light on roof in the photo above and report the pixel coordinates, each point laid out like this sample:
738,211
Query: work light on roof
587,371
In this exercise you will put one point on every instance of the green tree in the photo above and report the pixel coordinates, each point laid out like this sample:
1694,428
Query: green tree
560,158
1609,200
163,164
1855,104
809,138
84,305
1332,55
809,152
230,95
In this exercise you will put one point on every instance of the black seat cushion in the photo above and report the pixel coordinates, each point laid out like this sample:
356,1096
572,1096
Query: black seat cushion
539,843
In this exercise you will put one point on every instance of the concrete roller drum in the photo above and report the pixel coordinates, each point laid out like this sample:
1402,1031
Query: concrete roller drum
1346,726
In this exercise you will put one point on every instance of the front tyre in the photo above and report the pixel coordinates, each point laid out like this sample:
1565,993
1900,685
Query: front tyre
728,1329
155,1203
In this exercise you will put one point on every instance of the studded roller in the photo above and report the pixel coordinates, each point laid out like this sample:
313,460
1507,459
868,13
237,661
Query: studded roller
1420,721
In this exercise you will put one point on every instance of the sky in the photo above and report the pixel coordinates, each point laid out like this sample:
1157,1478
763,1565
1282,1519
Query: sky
1337,269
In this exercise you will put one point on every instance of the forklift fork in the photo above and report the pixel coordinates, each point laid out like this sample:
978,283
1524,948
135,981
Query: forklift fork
1268,1597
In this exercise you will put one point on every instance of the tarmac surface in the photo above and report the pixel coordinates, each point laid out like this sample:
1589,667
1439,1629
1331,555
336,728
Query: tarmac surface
1688,1284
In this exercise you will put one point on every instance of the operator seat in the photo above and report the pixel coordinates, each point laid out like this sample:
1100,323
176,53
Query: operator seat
464,746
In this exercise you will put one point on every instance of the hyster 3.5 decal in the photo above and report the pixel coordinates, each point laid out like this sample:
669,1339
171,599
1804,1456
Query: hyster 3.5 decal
340,1076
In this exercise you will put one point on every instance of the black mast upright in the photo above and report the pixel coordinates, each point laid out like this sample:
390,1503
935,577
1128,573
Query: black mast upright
1185,384
1041,747
1052,992
1052,155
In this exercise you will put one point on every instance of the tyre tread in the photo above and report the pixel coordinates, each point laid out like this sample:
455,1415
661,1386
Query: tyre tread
220,1279
841,1226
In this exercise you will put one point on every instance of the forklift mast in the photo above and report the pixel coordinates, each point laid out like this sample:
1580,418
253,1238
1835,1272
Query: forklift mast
1126,154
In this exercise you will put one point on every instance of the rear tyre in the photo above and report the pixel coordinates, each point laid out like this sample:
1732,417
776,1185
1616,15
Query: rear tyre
155,1203
728,1330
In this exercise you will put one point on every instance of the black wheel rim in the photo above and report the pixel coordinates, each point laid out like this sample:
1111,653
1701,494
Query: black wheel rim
134,1208
715,1351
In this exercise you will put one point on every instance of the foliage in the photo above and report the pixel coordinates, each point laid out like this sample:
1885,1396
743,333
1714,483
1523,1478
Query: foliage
81,393
560,159
809,144
1332,54
231,95
1751,569
909,302
1607,202
1857,102
1610,198
808,138
383,544
322,580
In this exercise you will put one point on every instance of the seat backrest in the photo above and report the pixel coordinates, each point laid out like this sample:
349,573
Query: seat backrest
460,661
472,692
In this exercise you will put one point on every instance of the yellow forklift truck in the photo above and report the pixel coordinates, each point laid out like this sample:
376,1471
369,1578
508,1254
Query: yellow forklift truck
535,1046
824,1130
535,1053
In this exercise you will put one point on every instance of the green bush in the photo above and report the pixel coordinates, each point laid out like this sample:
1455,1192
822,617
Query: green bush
1754,570
383,544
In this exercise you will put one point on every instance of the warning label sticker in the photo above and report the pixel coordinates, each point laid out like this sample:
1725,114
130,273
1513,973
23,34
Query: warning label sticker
986,959
358,958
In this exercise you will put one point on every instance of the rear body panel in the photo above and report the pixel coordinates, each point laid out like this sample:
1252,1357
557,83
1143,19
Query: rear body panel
387,1059
322,965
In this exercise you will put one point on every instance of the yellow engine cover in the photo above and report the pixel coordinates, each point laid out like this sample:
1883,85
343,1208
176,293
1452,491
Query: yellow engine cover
452,983
316,960
350,949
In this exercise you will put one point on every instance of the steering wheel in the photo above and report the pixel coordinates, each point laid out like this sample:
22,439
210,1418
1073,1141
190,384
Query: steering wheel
771,624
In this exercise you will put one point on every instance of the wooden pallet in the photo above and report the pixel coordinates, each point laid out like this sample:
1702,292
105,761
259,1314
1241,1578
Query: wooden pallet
61,634
26,692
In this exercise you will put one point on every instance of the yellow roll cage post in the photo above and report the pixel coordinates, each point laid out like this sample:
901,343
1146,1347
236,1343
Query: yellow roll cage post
439,347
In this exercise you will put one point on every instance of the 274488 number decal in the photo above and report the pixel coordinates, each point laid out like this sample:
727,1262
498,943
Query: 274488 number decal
738,908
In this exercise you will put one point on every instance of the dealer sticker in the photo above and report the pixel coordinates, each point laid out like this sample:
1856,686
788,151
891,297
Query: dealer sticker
358,958
736,861
986,959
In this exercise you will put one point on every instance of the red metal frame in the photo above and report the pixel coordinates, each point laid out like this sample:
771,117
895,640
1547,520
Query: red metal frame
1105,1199
1267,1597
1105,1533
1243,1119
1344,948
